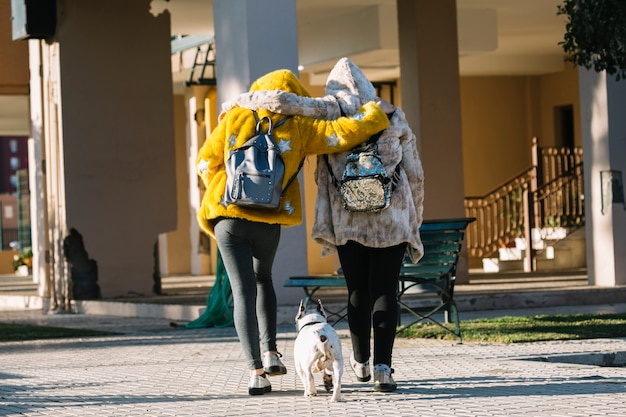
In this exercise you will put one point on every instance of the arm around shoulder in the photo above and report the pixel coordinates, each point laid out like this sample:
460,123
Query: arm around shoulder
322,137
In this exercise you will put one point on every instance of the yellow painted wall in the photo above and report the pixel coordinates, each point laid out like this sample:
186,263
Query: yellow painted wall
497,130
179,241
558,90
6,261
500,117
13,56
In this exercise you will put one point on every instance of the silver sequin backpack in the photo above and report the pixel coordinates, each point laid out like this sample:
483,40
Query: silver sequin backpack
365,185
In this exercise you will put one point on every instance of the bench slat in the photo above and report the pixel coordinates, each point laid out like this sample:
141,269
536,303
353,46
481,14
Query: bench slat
441,236
309,281
436,247
446,224
435,259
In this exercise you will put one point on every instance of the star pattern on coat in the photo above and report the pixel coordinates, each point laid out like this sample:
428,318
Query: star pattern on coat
358,116
288,207
231,141
284,146
332,140
203,166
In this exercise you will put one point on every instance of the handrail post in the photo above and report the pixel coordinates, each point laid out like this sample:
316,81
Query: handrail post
534,155
1,228
529,261
533,203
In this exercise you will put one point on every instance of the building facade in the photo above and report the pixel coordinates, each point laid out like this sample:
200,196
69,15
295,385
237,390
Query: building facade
13,157
115,129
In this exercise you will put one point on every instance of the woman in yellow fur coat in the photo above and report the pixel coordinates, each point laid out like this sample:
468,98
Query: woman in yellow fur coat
248,238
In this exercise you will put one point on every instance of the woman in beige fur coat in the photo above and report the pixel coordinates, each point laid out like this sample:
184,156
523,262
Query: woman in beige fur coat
371,246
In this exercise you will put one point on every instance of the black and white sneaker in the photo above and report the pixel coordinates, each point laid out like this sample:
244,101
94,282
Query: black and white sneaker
273,365
383,382
361,370
259,385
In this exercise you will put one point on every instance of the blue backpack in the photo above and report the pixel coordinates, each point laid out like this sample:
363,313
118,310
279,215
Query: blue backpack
255,170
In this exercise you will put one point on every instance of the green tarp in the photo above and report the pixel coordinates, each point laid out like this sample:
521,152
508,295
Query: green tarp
219,302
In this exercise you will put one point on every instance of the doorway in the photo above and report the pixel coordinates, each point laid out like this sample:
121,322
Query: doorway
564,126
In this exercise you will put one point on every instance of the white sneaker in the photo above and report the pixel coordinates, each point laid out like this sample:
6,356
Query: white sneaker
273,365
259,385
361,370
383,382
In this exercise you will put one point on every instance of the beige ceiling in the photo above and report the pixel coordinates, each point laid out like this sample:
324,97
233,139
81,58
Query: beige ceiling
496,37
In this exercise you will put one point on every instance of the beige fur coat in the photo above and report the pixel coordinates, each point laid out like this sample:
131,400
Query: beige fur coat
347,89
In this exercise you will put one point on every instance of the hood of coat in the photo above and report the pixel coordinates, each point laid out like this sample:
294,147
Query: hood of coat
283,80
349,85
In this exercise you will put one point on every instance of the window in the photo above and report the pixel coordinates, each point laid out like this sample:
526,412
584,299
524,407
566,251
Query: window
8,212
13,145
14,162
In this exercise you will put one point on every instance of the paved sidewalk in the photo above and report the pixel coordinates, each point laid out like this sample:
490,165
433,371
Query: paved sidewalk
153,369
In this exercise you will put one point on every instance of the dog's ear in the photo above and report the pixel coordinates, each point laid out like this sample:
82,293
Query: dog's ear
320,308
300,310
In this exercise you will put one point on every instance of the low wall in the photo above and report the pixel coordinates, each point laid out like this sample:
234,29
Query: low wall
6,261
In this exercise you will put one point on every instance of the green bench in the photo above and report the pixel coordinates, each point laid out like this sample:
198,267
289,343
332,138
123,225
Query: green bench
434,273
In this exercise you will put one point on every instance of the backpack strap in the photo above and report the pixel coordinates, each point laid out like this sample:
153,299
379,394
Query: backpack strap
281,121
395,178
293,177
270,129
332,175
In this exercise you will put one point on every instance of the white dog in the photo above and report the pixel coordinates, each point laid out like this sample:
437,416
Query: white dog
317,349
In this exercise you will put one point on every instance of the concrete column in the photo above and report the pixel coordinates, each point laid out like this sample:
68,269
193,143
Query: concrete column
48,215
117,136
431,99
36,157
253,38
199,108
603,127
429,85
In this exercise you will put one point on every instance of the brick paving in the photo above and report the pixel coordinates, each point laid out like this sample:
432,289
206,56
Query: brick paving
153,369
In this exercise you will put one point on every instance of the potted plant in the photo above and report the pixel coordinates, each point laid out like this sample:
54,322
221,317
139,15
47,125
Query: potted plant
23,262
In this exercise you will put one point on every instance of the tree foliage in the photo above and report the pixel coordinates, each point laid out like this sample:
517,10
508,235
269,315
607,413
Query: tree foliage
595,36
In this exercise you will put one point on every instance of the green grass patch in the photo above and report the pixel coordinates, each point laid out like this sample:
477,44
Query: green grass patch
11,332
527,329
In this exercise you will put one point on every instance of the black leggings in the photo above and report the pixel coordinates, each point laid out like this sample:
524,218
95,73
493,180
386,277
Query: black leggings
372,281
248,250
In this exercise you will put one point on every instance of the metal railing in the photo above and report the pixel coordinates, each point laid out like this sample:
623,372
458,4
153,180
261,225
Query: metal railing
560,203
550,194
499,216
8,235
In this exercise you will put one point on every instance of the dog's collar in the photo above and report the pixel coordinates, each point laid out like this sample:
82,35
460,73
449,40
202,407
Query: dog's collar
309,320
308,324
